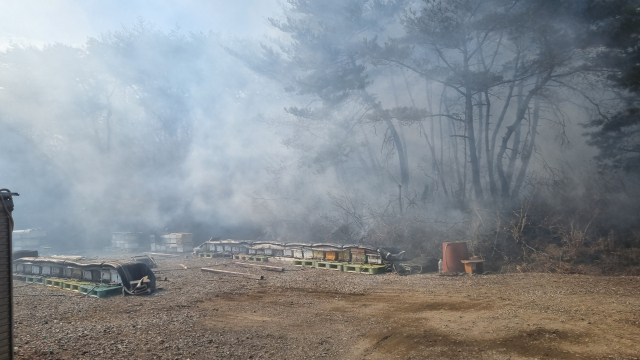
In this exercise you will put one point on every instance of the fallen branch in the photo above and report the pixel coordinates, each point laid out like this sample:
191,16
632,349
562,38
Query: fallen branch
162,270
233,273
70,295
263,267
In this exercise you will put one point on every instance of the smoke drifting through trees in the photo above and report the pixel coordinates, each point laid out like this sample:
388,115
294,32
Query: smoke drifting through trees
403,121
138,130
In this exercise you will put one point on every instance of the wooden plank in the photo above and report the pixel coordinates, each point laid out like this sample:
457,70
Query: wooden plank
233,273
263,267
163,254
471,261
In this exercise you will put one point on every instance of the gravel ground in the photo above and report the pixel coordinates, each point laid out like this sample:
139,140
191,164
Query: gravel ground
306,313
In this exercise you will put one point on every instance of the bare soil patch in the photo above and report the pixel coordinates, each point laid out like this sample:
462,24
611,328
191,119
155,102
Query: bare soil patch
313,313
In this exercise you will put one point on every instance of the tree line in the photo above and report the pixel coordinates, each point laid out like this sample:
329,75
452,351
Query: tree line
391,108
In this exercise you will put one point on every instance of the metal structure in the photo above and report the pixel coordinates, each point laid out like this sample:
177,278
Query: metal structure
6,279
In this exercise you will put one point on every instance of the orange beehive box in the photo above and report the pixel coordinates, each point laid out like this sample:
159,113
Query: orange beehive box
331,255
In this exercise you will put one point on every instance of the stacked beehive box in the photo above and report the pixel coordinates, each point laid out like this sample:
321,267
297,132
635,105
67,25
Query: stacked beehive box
128,241
29,239
175,242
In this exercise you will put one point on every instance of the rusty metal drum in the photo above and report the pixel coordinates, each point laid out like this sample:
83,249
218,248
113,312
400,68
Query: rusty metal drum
452,255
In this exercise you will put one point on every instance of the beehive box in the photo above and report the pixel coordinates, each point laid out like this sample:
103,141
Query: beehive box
331,255
179,248
357,255
56,271
115,277
175,242
76,274
344,255
27,239
86,275
307,253
273,252
318,254
126,240
374,259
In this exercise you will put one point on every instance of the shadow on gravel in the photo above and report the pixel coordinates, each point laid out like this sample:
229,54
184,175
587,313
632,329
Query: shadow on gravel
405,342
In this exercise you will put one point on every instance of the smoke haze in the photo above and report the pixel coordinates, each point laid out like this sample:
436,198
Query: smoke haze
315,120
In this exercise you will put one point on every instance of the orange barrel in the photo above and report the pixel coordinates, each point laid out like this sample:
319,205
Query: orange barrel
452,253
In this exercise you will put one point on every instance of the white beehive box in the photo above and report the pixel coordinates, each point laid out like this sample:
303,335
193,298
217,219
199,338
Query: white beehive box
27,239
56,271
115,277
86,275
175,242
126,240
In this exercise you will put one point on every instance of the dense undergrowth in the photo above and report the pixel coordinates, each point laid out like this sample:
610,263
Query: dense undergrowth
562,226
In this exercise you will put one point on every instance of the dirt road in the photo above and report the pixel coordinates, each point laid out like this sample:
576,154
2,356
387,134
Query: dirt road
314,313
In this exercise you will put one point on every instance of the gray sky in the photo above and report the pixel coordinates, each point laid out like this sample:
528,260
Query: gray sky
40,22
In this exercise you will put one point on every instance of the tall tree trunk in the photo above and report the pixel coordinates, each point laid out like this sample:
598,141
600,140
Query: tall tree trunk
470,133
441,130
404,165
515,145
504,182
375,165
370,101
464,164
435,162
430,145
528,150
492,182
456,161
480,127
496,129
473,156
401,130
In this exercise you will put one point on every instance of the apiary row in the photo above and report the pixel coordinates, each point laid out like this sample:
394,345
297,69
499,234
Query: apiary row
56,272
100,276
360,254
136,241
